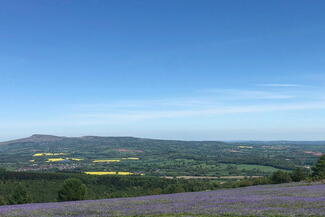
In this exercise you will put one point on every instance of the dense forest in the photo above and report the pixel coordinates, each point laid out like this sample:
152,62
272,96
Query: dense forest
44,187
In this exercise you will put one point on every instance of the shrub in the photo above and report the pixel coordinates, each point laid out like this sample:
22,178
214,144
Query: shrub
261,181
156,191
72,189
173,188
319,169
3,201
280,177
298,175
20,195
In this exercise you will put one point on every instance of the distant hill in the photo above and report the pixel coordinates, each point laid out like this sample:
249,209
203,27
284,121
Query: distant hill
49,143
281,142
37,138
34,138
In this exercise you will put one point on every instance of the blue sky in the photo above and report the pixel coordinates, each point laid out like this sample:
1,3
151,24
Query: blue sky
176,69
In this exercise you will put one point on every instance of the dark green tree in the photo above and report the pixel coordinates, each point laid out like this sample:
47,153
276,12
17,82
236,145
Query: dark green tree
298,174
72,189
2,201
20,195
280,177
319,168
2,170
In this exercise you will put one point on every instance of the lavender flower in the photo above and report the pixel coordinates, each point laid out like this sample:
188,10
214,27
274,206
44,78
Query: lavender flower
268,200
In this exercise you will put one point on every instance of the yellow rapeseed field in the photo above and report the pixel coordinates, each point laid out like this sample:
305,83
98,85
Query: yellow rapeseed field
242,146
76,159
47,154
55,159
101,173
109,173
124,173
105,161
131,158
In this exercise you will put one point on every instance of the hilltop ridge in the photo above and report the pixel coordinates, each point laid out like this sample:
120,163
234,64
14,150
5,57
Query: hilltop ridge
49,138
34,138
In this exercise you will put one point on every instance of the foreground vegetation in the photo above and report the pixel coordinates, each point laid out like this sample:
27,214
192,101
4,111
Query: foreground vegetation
268,200
44,187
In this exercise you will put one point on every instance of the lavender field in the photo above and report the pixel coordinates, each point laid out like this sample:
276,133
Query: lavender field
268,200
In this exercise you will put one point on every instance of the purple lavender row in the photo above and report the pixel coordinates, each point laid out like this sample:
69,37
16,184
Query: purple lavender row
287,200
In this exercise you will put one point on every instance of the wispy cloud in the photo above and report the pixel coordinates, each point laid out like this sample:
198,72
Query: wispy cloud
230,94
206,103
280,85
126,117
222,110
209,102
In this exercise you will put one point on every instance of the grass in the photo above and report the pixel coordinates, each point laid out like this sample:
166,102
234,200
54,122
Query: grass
194,215
267,169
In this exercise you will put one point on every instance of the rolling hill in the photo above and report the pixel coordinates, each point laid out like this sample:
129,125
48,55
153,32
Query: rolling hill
155,157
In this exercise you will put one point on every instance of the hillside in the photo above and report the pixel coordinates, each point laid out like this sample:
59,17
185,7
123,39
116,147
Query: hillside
269,200
155,157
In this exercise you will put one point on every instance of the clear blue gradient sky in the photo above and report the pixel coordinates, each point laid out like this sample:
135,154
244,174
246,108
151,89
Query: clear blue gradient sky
178,69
